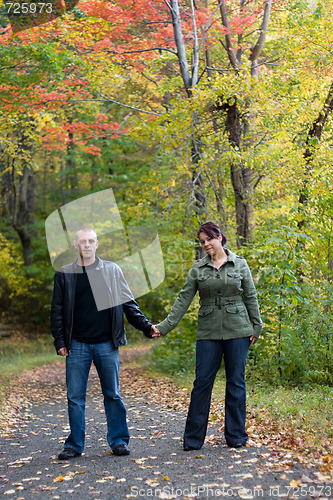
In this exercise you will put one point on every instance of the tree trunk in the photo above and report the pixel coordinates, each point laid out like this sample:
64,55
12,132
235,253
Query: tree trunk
18,192
24,210
70,165
239,128
241,178
181,51
190,79
313,139
7,199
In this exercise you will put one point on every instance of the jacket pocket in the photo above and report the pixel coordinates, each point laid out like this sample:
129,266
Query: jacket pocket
205,310
234,282
237,317
232,277
234,309
203,281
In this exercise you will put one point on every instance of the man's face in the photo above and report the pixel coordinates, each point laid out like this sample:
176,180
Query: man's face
86,244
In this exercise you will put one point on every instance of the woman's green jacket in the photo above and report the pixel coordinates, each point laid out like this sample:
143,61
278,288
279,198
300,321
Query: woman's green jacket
228,300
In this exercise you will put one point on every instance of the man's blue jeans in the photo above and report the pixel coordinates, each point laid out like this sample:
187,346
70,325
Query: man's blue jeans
105,358
208,361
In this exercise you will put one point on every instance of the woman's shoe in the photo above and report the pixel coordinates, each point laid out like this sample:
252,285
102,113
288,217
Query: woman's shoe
236,445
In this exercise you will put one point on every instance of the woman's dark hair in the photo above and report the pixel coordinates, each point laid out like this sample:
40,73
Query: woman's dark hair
213,231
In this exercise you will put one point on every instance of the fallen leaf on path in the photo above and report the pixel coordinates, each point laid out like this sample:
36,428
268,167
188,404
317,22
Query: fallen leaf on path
245,494
306,479
244,476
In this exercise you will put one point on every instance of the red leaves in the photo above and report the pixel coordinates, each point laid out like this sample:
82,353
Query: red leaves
58,136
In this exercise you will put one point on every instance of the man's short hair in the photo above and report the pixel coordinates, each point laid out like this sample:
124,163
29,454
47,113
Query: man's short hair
85,229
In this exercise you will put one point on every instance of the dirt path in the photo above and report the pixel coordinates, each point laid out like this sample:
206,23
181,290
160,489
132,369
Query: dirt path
35,427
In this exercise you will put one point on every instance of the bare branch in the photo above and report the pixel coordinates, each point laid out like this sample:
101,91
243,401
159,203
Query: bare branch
148,78
181,52
261,176
195,55
145,50
228,43
208,25
105,98
257,49
202,73
219,70
240,36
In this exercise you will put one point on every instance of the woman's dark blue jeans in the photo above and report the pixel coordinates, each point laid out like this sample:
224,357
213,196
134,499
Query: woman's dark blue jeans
208,361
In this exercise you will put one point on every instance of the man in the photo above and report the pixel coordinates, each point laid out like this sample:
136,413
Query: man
87,323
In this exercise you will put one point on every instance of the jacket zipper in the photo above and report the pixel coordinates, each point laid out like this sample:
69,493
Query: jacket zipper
71,330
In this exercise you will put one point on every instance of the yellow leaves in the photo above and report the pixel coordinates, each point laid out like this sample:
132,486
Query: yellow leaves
10,261
106,479
165,478
151,482
21,461
68,476
42,119
141,462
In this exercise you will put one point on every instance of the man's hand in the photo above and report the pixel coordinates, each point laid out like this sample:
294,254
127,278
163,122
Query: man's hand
154,332
63,351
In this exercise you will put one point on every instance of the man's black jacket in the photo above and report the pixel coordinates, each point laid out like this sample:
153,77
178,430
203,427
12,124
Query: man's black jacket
121,301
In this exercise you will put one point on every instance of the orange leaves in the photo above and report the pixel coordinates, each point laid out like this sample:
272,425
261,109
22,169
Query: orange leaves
327,465
58,479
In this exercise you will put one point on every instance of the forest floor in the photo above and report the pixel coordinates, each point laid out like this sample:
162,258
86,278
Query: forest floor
34,426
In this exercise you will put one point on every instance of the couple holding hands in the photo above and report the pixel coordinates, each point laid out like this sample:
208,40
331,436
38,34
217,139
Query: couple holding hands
228,324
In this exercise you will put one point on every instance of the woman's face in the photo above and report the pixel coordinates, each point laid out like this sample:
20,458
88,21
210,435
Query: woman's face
210,245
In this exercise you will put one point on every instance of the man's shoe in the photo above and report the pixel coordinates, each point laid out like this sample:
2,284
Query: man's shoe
121,450
190,448
68,453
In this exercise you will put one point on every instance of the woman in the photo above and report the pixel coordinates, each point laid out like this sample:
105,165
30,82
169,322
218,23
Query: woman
228,324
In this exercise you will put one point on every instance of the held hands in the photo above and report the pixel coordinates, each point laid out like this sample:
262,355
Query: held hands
154,332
